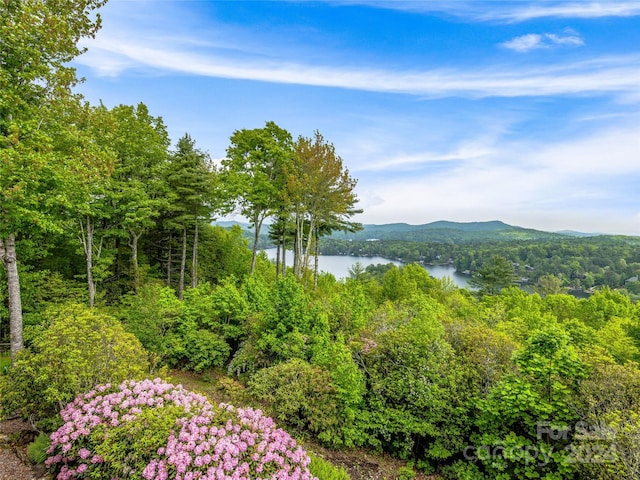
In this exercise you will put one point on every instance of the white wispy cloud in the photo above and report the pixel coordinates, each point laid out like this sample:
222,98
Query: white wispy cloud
508,11
523,184
524,43
533,41
111,55
571,40
468,151
517,13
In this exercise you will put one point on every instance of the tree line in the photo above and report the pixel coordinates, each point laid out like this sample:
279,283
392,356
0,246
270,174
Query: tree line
110,179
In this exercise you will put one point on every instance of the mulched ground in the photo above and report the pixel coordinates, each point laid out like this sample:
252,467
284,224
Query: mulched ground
15,435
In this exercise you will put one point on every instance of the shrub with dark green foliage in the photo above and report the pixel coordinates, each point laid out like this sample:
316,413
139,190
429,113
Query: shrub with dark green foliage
151,315
301,395
76,349
282,324
415,402
196,349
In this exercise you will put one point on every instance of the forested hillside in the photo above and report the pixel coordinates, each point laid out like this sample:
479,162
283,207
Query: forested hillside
114,276
449,232
579,263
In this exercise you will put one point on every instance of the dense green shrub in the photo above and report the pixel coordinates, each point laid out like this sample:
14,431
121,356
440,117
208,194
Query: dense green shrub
282,323
415,405
196,349
77,349
324,470
301,395
518,418
37,450
187,334
151,315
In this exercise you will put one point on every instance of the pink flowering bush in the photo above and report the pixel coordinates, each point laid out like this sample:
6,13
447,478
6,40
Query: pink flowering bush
154,430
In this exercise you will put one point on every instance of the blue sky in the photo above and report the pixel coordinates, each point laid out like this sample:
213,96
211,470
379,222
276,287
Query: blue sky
526,112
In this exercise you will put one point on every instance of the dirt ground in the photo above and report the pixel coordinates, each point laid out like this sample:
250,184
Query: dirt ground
361,465
15,435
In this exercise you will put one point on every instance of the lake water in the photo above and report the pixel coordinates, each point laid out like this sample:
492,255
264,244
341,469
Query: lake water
339,265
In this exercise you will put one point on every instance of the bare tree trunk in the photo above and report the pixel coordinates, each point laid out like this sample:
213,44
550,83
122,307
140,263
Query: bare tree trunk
315,267
10,262
169,261
183,262
257,225
298,266
279,245
284,255
307,249
194,258
87,244
134,260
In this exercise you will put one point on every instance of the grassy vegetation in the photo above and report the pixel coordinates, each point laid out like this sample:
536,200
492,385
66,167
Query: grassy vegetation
5,360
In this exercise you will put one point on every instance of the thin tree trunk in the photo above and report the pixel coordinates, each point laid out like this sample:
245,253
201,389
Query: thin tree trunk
257,225
183,262
284,255
279,246
315,267
10,262
134,260
87,245
194,258
169,261
298,266
307,250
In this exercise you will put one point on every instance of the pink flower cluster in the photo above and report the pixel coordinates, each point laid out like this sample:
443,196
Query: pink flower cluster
206,442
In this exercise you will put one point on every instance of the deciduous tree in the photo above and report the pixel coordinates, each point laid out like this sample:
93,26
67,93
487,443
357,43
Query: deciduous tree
253,173
39,38
321,193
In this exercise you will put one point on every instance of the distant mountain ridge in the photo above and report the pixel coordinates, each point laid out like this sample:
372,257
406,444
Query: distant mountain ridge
439,231
446,231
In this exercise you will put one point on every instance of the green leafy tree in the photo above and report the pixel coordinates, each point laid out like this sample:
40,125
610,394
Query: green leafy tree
140,144
321,193
492,277
520,415
92,206
38,40
485,352
548,285
610,432
414,405
253,173
224,253
615,338
152,315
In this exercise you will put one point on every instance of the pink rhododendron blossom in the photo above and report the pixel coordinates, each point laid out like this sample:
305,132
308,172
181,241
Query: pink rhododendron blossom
204,443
